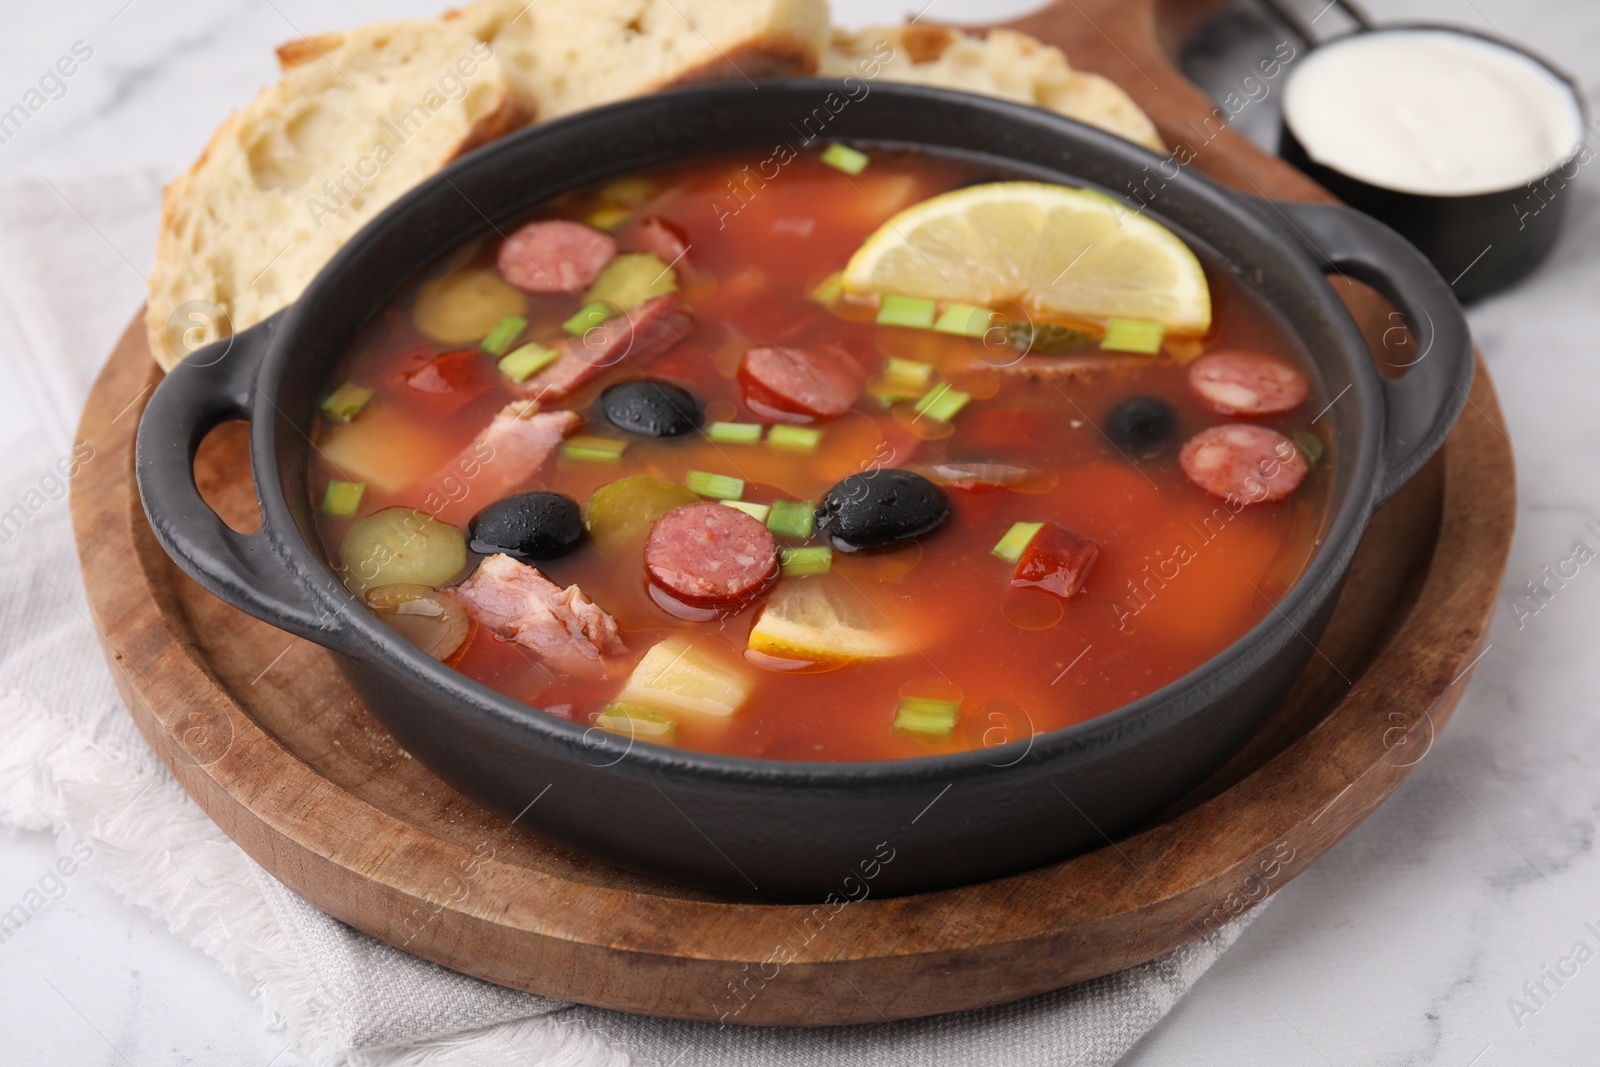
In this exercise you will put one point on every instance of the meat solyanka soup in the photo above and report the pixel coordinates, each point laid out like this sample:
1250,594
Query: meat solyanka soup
878,457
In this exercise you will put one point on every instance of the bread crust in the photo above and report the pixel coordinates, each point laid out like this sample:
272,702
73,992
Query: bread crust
296,53
1003,63
214,214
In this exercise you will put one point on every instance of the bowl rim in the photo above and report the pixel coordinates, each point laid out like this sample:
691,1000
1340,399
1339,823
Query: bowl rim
367,638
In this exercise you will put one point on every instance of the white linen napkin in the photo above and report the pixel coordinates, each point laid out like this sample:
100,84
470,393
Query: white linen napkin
71,257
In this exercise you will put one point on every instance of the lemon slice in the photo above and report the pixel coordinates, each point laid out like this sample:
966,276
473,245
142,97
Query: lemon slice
1053,249
812,631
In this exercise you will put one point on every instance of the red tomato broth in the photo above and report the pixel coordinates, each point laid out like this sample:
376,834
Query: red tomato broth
1180,575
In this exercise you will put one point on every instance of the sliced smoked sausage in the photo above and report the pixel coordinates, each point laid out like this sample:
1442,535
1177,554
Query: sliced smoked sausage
556,256
1249,463
711,556
1245,383
796,385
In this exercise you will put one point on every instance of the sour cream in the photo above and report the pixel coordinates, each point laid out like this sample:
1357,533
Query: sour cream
1432,112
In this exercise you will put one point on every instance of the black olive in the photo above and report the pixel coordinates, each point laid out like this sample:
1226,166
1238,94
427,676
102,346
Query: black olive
880,507
651,408
1141,426
527,527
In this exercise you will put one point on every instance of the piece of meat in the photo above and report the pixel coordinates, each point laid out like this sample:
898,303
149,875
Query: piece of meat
1251,464
505,454
981,475
1245,383
450,381
797,385
711,556
557,256
564,628
1056,560
666,240
648,330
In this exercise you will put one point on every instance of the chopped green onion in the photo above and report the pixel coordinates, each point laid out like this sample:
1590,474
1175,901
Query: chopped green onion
792,518
1310,446
588,317
757,512
903,379
342,498
909,371
799,562
1133,335
500,338
968,320
942,402
347,401
843,157
1012,545
794,438
931,718
609,217
596,449
910,311
735,433
636,720
828,289
716,486
527,361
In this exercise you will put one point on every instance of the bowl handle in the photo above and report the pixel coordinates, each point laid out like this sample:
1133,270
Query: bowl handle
212,386
1423,405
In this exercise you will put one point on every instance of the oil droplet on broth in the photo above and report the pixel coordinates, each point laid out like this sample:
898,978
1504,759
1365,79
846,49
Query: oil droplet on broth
922,426
721,411
1032,609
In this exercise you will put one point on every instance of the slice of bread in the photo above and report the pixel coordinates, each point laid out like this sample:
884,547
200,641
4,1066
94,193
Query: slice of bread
567,55
358,119
1005,63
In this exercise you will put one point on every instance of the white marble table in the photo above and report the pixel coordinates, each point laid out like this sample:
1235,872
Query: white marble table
1406,945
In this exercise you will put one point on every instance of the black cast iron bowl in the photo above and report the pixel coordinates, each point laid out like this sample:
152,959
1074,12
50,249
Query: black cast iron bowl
781,829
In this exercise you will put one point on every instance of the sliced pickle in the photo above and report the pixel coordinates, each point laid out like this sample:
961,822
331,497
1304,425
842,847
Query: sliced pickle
462,308
399,546
619,514
631,279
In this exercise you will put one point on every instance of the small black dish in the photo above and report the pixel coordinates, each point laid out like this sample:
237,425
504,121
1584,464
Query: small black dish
1483,242
783,830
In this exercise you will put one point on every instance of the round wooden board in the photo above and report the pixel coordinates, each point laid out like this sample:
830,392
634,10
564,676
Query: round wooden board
262,732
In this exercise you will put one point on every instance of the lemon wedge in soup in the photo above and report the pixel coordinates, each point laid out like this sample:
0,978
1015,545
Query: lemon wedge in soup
1054,250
